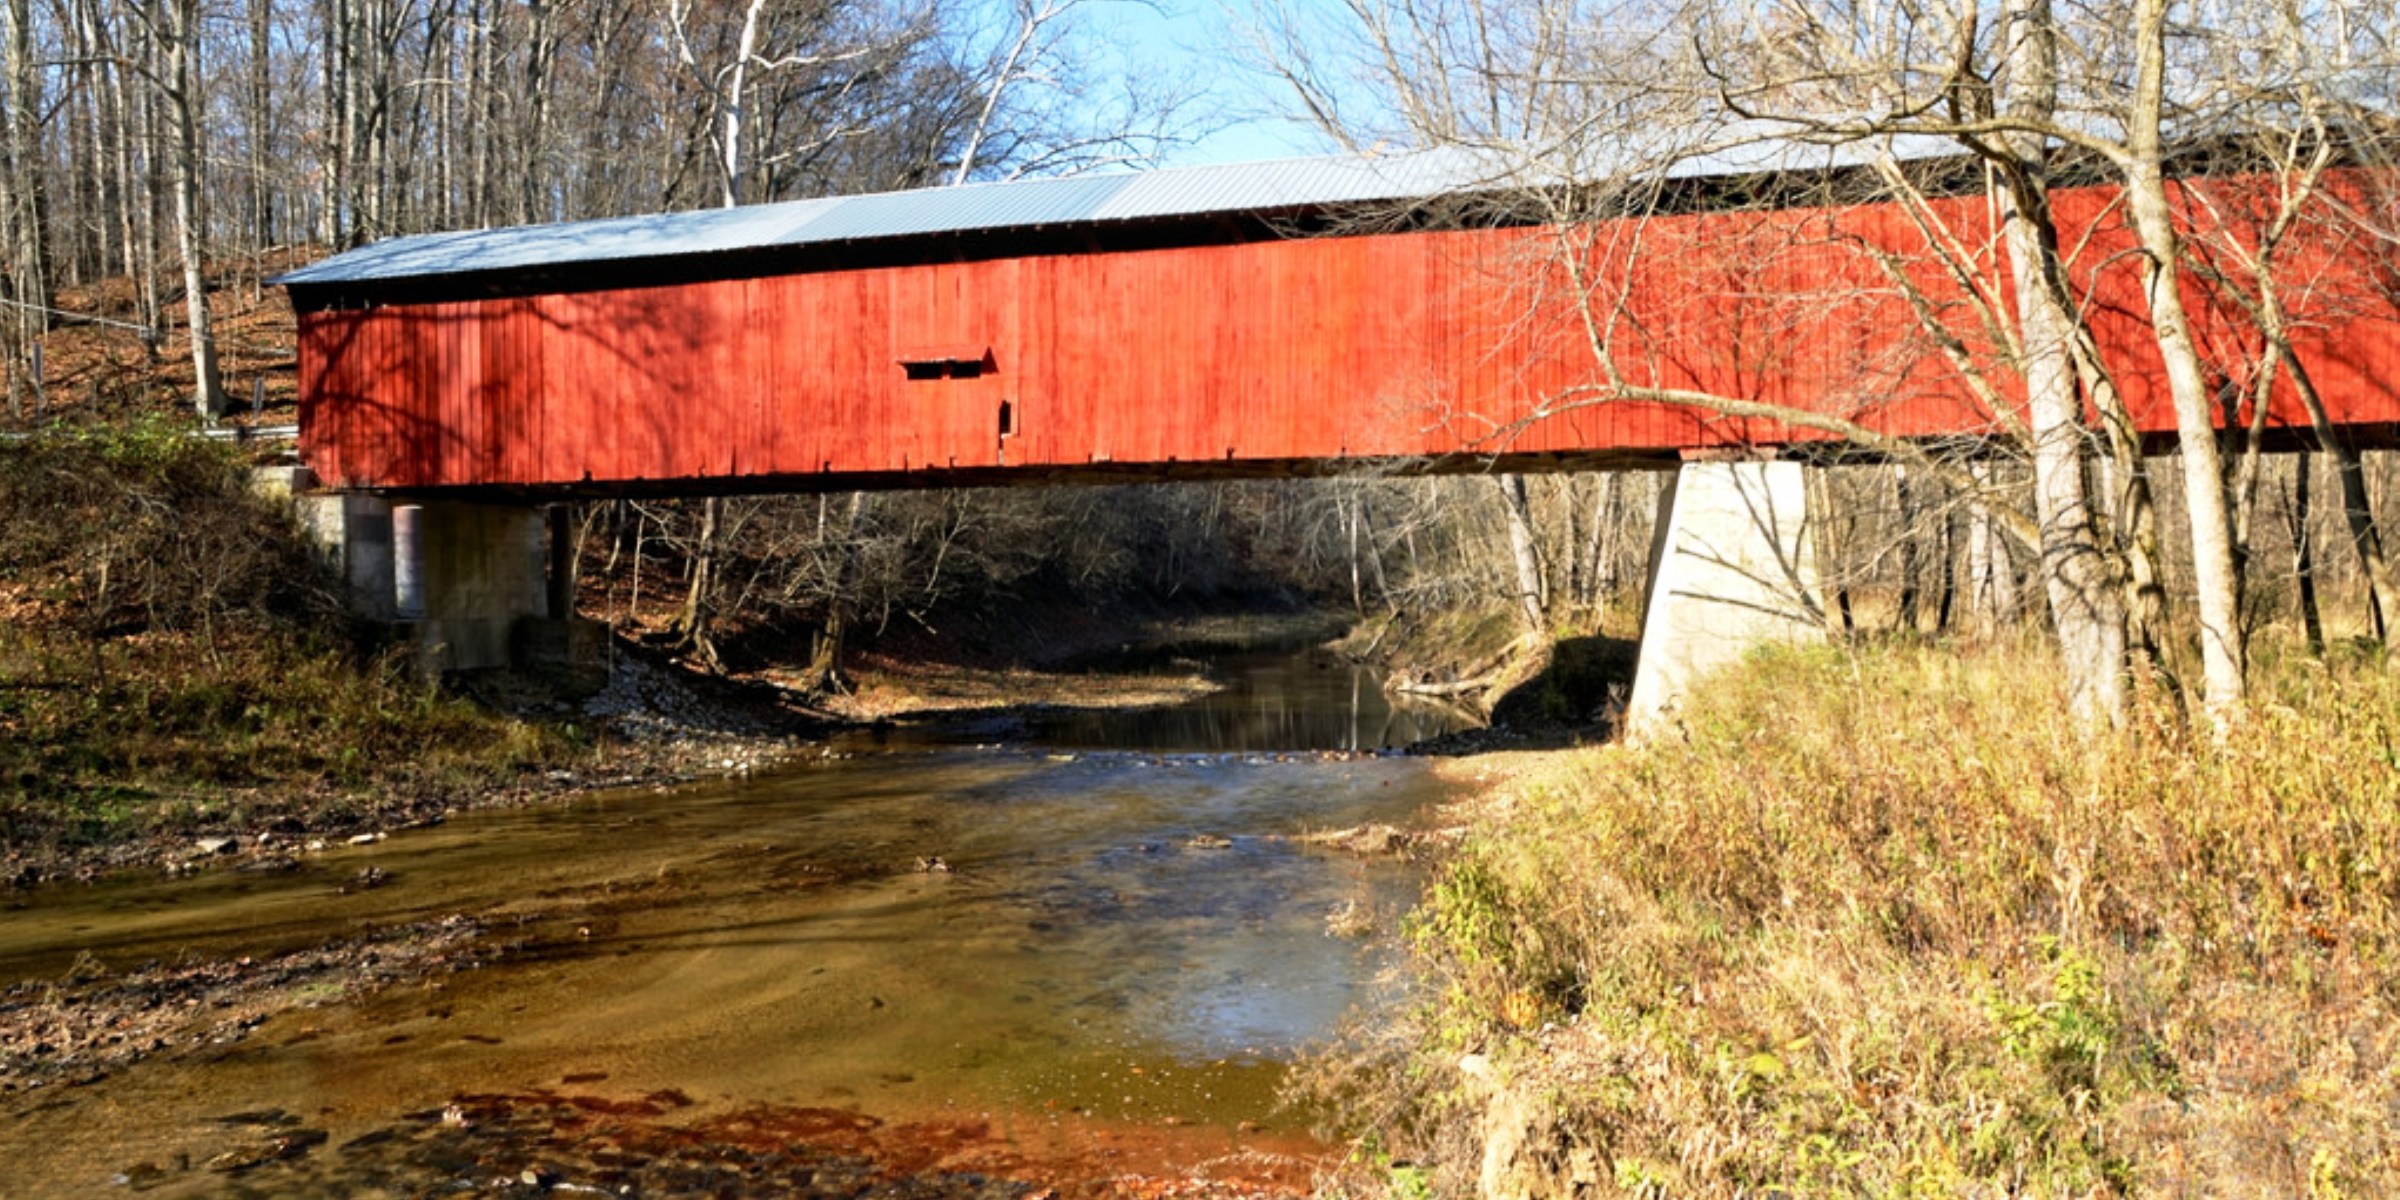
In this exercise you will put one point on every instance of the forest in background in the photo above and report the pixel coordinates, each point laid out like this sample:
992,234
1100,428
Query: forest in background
1885,921
183,145
161,158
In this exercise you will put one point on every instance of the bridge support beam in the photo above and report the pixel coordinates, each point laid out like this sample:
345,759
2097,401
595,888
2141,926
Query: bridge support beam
1731,567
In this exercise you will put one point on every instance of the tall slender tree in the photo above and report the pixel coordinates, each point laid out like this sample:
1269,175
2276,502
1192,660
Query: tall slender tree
174,27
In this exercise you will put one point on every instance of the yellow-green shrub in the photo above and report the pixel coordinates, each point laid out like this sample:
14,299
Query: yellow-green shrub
1882,924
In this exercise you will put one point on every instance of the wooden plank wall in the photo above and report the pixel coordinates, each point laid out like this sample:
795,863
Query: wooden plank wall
1390,345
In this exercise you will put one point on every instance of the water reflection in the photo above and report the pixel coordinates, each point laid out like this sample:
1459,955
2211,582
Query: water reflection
1127,934
1269,701
1266,702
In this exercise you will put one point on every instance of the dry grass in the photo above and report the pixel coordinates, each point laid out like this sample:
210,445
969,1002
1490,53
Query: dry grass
1882,925
173,657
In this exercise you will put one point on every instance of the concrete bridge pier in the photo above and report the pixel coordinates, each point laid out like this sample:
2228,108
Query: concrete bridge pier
353,535
468,573
478,586
491,587
1731,567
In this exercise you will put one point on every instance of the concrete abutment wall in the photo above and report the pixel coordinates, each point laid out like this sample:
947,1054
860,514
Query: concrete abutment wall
1731,567
479,570
470,581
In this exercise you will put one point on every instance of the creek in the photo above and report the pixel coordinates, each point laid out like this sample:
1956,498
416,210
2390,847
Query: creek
930,964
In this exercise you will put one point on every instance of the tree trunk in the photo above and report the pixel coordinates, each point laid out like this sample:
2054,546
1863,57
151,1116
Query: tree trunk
1358,592
335,125
2084,601
2132,511
88,177
1578,565
1991,579
2304,562
261,120
26,235
16,321
825,655
1946,576
541,53
119,125
180,31
478,205
446,151
736,101
2213,572
2128,502
1527,556
1599,548
693,625
1832,566
2250,461
1904,499
2358,511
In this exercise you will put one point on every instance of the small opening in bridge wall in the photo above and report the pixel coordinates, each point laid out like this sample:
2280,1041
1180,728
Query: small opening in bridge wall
943,370
1008,419
948,362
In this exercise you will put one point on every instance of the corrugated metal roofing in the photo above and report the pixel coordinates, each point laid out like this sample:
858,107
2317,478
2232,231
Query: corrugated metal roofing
1260,187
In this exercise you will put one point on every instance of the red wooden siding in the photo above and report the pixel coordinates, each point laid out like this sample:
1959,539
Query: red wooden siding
1387,346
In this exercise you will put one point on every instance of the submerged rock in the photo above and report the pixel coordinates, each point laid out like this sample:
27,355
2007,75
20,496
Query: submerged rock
277,1149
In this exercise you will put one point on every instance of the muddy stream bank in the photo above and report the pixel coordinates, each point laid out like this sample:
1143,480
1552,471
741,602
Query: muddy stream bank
1049,950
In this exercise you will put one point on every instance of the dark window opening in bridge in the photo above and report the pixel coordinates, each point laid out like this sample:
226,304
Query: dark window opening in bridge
1008,419
947,362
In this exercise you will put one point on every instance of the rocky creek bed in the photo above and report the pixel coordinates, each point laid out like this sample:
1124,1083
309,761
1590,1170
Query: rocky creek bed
73,1028
571,1142
73,1031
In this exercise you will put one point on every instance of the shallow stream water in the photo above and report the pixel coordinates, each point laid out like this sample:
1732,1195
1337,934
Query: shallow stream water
1086,953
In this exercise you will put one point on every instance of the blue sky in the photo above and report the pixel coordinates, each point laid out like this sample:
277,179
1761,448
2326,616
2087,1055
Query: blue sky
1245,113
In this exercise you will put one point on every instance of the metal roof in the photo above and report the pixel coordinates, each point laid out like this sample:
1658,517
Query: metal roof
1259,187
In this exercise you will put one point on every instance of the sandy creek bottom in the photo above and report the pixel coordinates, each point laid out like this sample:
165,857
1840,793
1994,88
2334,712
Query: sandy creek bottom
755,987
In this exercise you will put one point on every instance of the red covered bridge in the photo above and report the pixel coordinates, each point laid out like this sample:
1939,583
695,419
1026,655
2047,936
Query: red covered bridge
1248,319
1258,319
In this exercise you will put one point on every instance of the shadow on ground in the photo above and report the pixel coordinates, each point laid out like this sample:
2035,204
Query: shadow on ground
1573,701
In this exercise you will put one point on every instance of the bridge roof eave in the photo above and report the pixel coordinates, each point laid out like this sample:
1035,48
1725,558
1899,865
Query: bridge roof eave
1043,214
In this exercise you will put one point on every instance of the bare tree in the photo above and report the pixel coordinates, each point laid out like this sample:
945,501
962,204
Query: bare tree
1597,105
26,284
2141,160
1524,552
174,27
2242,236
1043,109
2075,575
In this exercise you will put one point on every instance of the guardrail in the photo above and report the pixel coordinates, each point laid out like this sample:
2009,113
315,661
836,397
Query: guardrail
221,433
252,433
